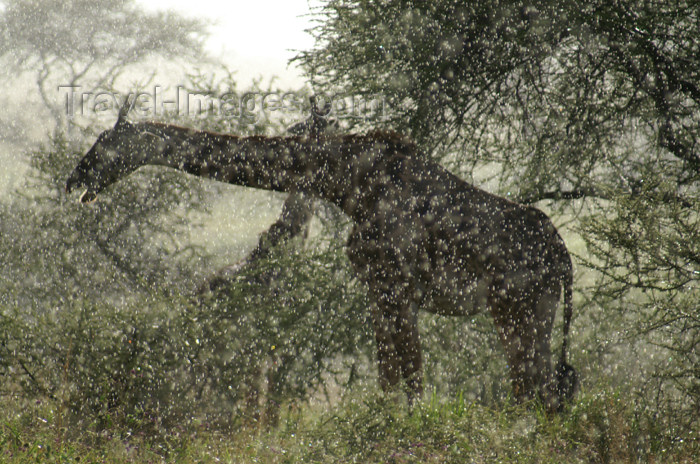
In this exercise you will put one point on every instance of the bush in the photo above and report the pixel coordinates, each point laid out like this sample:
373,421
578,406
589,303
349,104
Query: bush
161,361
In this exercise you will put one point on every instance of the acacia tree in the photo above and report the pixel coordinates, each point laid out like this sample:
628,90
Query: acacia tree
597,102
89,44
68,271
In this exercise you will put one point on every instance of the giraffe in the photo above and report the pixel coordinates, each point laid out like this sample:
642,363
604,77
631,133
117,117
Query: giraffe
421,238
293,222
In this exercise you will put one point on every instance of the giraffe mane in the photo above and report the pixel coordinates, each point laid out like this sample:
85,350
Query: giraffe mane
371,136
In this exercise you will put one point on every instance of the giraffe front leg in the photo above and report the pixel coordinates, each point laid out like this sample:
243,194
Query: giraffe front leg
386,268
398,345
407,343
387,356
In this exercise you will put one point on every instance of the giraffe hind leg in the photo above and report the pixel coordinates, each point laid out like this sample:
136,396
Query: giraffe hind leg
525,331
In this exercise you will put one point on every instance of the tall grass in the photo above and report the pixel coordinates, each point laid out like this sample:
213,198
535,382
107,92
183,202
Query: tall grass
600,427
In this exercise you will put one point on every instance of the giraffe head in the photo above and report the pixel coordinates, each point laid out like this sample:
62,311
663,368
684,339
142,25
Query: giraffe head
116,153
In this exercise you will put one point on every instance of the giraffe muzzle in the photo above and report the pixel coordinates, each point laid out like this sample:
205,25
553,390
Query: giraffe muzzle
88,197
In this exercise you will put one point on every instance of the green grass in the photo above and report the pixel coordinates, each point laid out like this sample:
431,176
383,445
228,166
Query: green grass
601,427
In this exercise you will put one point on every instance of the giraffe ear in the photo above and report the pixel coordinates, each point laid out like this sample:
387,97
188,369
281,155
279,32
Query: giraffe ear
314,100
124,110
153,134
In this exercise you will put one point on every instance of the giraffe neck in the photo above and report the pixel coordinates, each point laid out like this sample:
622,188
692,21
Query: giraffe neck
330,168
259,162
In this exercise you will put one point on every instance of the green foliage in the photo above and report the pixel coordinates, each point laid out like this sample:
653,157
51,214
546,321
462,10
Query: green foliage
603,427
88,45
128,242
159,360
261,108
99,366
307,331
464,357
116,32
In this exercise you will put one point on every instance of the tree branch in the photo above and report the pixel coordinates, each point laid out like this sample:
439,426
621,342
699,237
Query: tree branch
563,195
590,192
658,94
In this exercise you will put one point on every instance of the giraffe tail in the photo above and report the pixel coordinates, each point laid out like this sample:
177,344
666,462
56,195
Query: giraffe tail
568,311
566,377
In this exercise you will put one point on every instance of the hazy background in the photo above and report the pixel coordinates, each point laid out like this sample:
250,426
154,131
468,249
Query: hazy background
255,40
278,29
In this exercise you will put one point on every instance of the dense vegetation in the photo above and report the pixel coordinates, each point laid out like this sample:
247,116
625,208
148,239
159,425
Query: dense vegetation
591,112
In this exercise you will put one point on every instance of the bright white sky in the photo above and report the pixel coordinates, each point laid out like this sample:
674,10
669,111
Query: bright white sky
254,37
